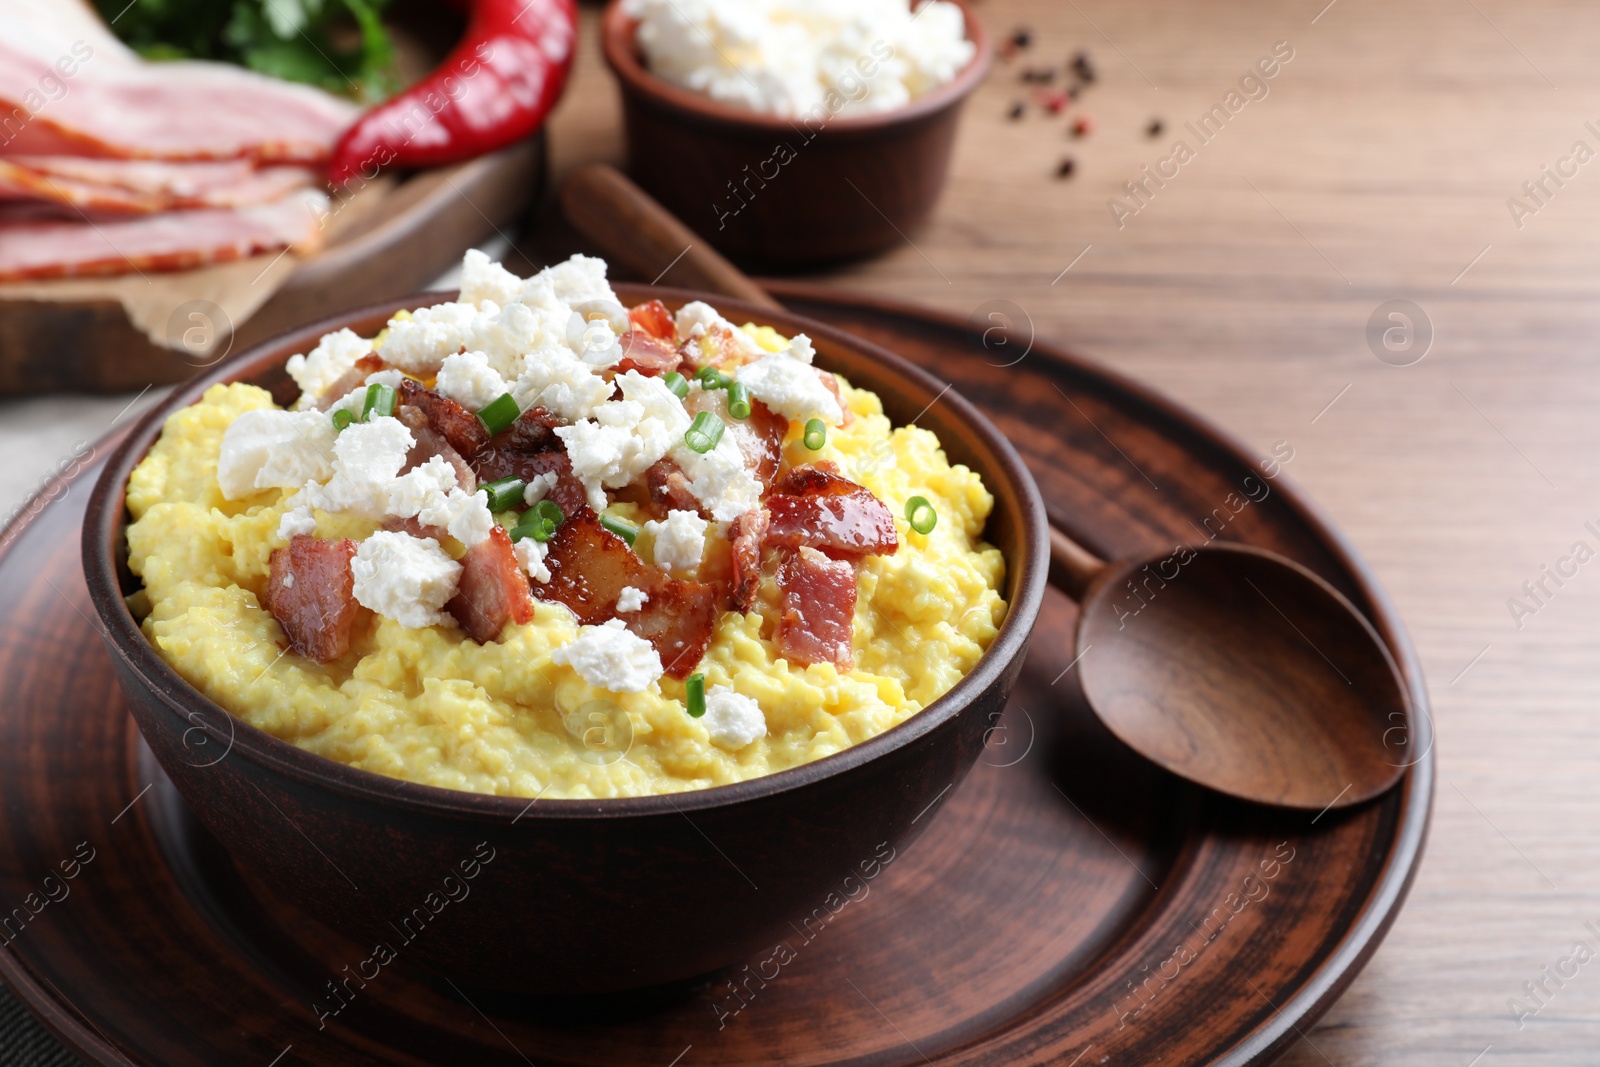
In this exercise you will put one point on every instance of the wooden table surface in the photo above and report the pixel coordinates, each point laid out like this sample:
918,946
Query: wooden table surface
1377,167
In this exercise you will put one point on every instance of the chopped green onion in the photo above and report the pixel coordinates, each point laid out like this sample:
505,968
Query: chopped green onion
342,419
921,515
501,412
704,433
678,384
816,434
695,690
739,400
550,511
625,530
504,493
539,522
379,402
711,378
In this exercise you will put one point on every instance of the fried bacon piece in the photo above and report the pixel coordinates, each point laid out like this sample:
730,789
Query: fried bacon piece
818,608
669,488
832,382
746,534
351,379
534,431
647,354
311,592
466,434
654,319
430,443
568,493
493,589
760,437
589,568
415,527
815,507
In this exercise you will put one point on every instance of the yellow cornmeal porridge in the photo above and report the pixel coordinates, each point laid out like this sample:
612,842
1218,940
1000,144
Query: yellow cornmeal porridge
432,706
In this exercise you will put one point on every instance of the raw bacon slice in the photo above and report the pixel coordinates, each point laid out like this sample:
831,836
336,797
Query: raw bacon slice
647,355
493,589
177,240
746,534
252,187
311,592
464,430
759,437
817,623
654,319
116,104
589,568
568,493
815,507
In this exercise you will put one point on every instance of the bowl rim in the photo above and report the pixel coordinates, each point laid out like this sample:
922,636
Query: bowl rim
618,32
106,520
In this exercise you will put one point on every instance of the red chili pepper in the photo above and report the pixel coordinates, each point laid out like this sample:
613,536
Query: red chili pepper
495,87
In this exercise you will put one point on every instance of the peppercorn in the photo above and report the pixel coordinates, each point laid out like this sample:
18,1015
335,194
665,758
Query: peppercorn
1065,168
1021,37
1082,68
1039,75
1155,128
1083,125
1018,109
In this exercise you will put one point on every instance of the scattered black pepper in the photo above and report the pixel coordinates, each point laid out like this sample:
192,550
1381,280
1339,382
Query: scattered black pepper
1082,67
1065,168
1155,128
1018,109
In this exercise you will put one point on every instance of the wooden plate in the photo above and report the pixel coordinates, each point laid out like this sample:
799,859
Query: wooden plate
1071,904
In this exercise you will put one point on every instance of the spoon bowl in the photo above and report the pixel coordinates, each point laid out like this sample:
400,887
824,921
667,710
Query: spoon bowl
1245,672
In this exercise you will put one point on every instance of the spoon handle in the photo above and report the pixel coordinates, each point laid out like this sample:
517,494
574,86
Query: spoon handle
631,227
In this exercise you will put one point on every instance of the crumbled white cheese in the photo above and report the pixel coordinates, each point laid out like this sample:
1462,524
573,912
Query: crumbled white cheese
539,487
561,383
800,348
420,342
411,492
295,522
272,449
366,458
504,335
631,600
697,317
732,719
809,59
790,387
404,578
531,554
719,479
578,279
594,342
331,360
482,280
467,378
679,540
611,657
625,436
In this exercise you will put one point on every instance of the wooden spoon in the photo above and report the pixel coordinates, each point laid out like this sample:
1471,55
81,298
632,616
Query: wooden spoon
1227,665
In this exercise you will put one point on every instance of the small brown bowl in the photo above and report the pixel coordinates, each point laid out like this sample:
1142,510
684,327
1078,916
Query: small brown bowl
778,193
575,897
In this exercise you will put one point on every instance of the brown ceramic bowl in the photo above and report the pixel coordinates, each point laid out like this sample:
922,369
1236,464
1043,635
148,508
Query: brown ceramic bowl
776,193
579,897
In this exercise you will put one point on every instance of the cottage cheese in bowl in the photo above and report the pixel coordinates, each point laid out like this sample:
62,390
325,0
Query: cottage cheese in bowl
804,58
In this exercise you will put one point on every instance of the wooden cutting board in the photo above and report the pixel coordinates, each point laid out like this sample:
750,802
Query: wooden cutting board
415,234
